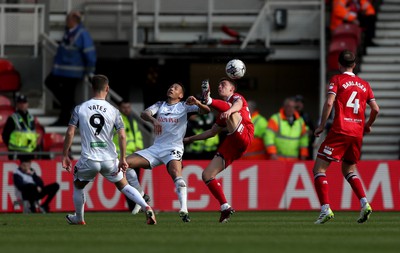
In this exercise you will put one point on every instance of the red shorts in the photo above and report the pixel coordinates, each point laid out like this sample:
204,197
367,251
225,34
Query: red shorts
337,147
236,144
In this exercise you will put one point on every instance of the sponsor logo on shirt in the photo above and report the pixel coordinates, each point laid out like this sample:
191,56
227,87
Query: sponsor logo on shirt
328,150
168,120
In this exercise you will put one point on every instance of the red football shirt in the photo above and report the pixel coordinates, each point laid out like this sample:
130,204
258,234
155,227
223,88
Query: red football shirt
352,95
244,112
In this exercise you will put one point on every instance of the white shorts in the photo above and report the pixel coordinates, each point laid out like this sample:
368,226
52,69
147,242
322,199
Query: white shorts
87,170
157,157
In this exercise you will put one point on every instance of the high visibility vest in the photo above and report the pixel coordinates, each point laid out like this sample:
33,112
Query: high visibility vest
208,145
287,141
257,149
341,13
24,137
134,138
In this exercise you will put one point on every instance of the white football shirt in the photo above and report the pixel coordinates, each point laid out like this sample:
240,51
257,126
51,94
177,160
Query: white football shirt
97,119
173,120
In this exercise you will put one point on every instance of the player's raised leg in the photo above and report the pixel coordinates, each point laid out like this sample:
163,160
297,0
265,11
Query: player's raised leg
217,104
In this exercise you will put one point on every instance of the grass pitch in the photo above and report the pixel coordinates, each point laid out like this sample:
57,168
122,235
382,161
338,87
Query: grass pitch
247,232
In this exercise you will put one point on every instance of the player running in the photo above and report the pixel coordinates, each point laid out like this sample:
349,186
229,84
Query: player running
234,116
96,119
349,95
169,127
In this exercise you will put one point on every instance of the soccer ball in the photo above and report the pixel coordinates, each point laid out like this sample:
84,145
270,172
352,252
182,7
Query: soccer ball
235,69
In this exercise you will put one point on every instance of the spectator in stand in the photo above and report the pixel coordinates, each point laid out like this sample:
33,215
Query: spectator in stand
309,124
75,58
134,142
360,12
19,133
287,137
32,188
258,147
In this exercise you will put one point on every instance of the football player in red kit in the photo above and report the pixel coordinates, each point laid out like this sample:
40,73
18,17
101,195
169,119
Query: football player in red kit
234,116
349,94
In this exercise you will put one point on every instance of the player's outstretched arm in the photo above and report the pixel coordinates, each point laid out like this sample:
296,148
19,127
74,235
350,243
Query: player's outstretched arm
69,136
204,135
372,116
203,109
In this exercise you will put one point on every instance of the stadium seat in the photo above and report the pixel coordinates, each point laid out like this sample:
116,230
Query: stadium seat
336,46
5,101
53,142
346,30
9,77
5,112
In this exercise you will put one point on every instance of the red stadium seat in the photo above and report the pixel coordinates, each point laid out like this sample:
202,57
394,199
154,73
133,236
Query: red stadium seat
5,101
52,140
336,46
9,77
5,112
352,31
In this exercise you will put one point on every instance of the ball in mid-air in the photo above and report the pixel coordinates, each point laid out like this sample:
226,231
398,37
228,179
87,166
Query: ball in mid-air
235,69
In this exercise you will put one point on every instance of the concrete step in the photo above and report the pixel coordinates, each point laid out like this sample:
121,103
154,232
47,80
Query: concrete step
395,94
379,156
387,121
389,7
47,120
381,59
387,25
388,102
386,130
371,67
378,139
381,148
387,41
385,85
387,112
383,50
390,2
387,33
380,76
385,16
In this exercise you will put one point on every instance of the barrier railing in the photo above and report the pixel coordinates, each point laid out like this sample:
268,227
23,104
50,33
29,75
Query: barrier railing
20,25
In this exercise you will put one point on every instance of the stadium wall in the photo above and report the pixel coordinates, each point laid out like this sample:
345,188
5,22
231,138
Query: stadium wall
255,185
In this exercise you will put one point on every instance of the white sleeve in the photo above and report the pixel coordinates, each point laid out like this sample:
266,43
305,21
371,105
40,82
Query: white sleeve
154,108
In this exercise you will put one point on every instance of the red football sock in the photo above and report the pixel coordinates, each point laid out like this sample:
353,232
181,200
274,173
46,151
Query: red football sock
321,186
220,105
356,185
215,188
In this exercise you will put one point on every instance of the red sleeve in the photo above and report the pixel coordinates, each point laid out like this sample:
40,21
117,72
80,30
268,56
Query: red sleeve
371,96
333,85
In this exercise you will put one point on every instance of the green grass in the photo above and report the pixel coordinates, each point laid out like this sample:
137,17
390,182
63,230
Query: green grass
247,232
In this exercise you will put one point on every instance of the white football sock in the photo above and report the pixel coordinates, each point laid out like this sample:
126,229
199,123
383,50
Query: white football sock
181,191
225,206
363,202
133,180
325,207
79,203
134,195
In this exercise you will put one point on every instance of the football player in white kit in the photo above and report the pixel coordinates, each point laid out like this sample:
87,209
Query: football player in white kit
96,119
169,127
